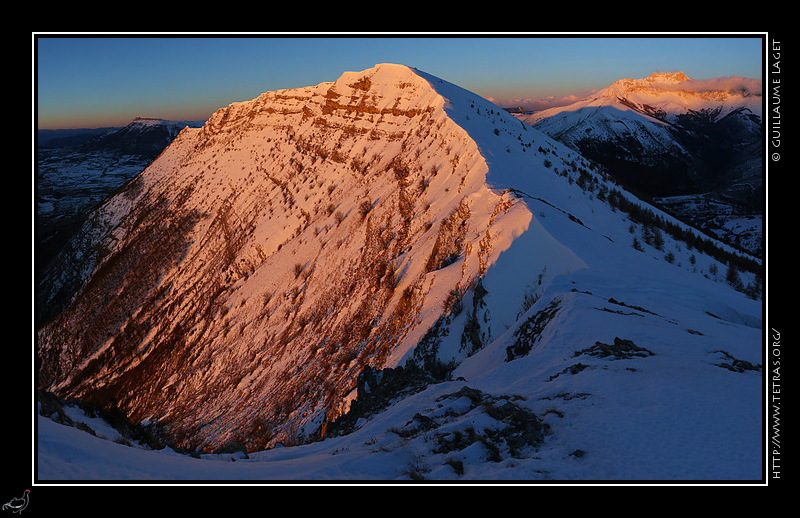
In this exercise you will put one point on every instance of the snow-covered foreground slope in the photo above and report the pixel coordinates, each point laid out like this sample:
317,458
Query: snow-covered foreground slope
675,414
576,356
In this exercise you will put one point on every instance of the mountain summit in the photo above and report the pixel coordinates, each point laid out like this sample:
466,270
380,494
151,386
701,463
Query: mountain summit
668,77
236,288
664,96
392,246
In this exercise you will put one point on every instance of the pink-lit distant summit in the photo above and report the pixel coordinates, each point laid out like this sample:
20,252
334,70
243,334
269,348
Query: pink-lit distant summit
669,94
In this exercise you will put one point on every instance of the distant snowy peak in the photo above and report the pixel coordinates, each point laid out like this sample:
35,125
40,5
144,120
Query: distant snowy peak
147,121
663,96
173,126
155,125
652,81
667,134
146,136
668,77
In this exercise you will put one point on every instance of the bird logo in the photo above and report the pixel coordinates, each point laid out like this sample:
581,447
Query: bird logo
17,505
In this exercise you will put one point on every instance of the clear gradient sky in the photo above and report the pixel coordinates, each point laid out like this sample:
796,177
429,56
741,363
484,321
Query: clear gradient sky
87,80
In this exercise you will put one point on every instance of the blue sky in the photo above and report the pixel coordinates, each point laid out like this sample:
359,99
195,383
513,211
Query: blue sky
96,80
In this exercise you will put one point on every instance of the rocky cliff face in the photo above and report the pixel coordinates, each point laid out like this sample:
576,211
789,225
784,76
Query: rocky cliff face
232,292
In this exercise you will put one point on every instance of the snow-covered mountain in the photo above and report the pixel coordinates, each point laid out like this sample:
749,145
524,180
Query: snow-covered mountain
395,265
665,122
670,137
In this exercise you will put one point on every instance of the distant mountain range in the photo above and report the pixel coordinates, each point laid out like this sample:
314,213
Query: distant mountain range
55,138
146,136
695,147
